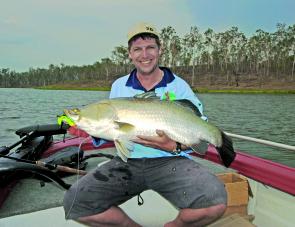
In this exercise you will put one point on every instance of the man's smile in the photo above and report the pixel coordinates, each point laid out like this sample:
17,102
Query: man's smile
146,62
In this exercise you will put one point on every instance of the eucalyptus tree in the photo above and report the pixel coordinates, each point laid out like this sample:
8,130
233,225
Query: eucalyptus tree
252,51
4,76
65,73
185,55
224,39
175,49
34,78
236,52
167,35
291,46
54,73
193,42
281,50
107,63
237,49
120,55
11,78
265,47
2,79
231,50
98,69
120,58
222,50
86,72
209,44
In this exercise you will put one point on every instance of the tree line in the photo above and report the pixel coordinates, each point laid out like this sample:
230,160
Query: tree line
228,57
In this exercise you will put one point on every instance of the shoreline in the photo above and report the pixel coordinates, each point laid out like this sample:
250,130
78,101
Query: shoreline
252,90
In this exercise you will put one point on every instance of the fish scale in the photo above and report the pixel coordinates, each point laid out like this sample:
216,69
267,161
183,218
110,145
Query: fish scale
163,115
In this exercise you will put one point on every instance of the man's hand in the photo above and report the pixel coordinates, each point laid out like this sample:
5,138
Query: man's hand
162,141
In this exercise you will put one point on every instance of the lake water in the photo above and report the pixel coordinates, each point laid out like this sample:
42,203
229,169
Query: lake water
269,117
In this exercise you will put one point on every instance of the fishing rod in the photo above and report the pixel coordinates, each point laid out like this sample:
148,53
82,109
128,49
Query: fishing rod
48,165
16,167
28,133
261,141
40,168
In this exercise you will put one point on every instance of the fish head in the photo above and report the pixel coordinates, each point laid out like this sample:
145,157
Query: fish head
73,114
95,118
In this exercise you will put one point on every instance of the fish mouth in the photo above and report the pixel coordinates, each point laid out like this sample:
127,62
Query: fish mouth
73,114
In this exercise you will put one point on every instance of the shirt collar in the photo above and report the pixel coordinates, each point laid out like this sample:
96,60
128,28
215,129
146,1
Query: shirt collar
135,83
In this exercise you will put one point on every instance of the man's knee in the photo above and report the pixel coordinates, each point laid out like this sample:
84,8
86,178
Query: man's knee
202,214
217,210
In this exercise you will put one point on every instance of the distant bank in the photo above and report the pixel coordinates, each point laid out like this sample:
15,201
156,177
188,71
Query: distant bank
234,90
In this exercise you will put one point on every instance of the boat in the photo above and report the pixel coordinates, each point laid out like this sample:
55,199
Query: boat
261,192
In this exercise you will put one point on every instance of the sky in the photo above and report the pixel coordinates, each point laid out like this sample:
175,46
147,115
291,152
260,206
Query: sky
37,33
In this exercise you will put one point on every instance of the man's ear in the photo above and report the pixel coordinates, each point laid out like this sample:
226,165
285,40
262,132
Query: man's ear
129,55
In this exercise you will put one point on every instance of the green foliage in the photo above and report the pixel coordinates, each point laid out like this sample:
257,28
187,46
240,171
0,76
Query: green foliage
246,91
228,56
55,87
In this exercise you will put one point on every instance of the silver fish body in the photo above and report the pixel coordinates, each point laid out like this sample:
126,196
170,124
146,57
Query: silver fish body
122,119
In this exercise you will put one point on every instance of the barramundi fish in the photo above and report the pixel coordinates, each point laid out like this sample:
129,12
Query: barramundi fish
123,119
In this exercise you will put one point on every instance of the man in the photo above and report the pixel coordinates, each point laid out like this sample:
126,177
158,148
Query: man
156,163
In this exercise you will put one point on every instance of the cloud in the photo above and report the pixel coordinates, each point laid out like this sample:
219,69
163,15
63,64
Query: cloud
41,32
37,33
11,21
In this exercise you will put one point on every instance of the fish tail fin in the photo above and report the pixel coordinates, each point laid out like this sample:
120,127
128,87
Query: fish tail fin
226,151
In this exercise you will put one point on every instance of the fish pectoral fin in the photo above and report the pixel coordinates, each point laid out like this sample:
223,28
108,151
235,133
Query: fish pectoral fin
124,127
200,148
123,148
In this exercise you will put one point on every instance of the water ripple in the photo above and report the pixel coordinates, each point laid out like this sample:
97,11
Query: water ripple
267,117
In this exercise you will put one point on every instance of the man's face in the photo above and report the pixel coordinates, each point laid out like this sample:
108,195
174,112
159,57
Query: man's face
144,54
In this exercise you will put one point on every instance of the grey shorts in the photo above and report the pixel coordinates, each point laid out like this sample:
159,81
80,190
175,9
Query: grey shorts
183,182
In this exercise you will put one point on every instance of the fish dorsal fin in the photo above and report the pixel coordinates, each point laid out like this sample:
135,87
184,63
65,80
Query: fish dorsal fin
147,95
189,105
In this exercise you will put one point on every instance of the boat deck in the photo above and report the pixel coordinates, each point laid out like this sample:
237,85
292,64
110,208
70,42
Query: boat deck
29,199
31,205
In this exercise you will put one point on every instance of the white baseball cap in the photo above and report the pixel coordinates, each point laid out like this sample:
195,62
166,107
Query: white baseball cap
142,27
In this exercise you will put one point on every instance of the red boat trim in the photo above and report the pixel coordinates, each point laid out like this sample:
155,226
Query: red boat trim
267,172
86,144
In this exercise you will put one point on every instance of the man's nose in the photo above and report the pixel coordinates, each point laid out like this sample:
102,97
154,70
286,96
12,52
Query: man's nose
144,52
